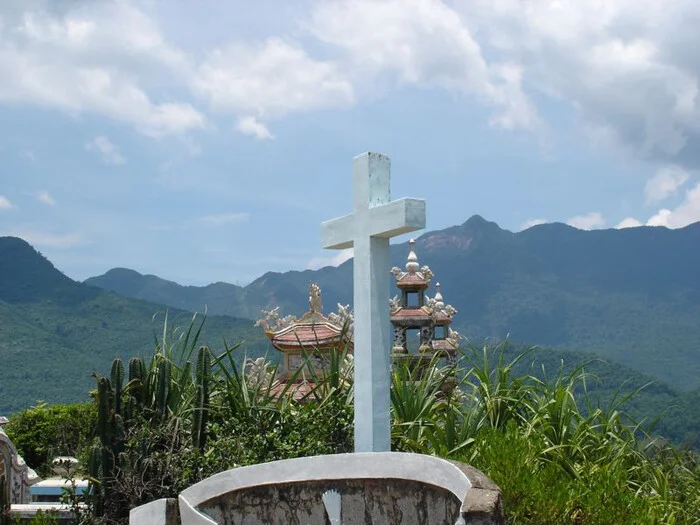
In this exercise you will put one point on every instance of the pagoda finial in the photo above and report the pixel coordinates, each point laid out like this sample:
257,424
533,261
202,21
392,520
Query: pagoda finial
439,303
315,304
412,263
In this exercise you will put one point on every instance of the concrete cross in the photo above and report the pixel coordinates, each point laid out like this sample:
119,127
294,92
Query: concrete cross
367,229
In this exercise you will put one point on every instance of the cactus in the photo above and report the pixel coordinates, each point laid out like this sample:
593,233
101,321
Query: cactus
104,459
117,379
96,493
135,388
162,385
201,400
104,400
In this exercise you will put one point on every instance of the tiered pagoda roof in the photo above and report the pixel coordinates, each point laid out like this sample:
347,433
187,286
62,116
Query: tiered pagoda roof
414,309
312,336
312,330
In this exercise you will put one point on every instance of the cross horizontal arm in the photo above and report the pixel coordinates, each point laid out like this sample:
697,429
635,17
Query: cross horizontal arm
397,217
336,234
385,221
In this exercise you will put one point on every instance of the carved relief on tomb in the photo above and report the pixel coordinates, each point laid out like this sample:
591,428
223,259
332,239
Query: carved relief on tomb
258,374
272,322
436,308
18,476
424,273
315,304
427,273
454,337
344,319
399,339
3,477
394,304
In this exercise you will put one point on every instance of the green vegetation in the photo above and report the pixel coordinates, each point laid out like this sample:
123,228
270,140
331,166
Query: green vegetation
54,332
631,296
43,432
560,457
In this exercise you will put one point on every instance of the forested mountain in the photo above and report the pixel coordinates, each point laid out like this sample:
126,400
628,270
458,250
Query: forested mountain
54,332
635,301
630,295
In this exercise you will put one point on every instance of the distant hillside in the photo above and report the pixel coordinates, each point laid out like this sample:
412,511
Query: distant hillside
54,332
661,409
219,298
630,295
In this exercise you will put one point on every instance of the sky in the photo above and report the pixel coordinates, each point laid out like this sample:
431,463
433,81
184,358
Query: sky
206,141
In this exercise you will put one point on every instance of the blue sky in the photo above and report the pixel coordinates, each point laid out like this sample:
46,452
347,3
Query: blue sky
207,141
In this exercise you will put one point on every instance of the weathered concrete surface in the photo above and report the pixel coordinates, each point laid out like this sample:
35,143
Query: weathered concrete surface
483,504
364,502
159,512
375,488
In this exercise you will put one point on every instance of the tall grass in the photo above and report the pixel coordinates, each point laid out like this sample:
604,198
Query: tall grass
559,457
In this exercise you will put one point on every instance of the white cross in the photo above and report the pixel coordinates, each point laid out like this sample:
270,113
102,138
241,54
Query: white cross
368,228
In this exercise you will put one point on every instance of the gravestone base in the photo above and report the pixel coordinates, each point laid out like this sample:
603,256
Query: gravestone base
375,488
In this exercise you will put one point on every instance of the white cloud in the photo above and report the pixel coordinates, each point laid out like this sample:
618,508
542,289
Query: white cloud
425,43
252,126
687,212
46,198
335,260
53,56
532,222
628,67
51,240
665,183
629,222
5,203
108,151
590,221
223,218
269,79
661,218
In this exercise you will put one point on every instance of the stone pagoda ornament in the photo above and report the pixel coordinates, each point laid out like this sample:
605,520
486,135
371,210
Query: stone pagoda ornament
412,311
308,341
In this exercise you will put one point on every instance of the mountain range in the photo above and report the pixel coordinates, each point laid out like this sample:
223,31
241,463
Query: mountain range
630,295
55,332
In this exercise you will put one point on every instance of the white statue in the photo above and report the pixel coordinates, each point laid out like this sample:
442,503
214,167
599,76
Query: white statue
454,337
394,304
344,319
315,304
258,373
272,322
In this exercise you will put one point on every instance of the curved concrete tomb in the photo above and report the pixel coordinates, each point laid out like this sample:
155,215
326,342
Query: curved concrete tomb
374,488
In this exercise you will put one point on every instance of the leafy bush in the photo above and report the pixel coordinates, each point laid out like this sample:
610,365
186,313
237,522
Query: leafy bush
42,432
559,457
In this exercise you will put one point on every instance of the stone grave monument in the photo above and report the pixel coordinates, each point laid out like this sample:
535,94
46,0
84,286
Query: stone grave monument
373,485
15,476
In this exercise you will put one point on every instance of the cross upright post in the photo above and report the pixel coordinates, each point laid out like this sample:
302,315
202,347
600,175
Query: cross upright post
374,220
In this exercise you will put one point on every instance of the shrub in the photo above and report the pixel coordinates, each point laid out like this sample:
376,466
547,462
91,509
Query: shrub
42,432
